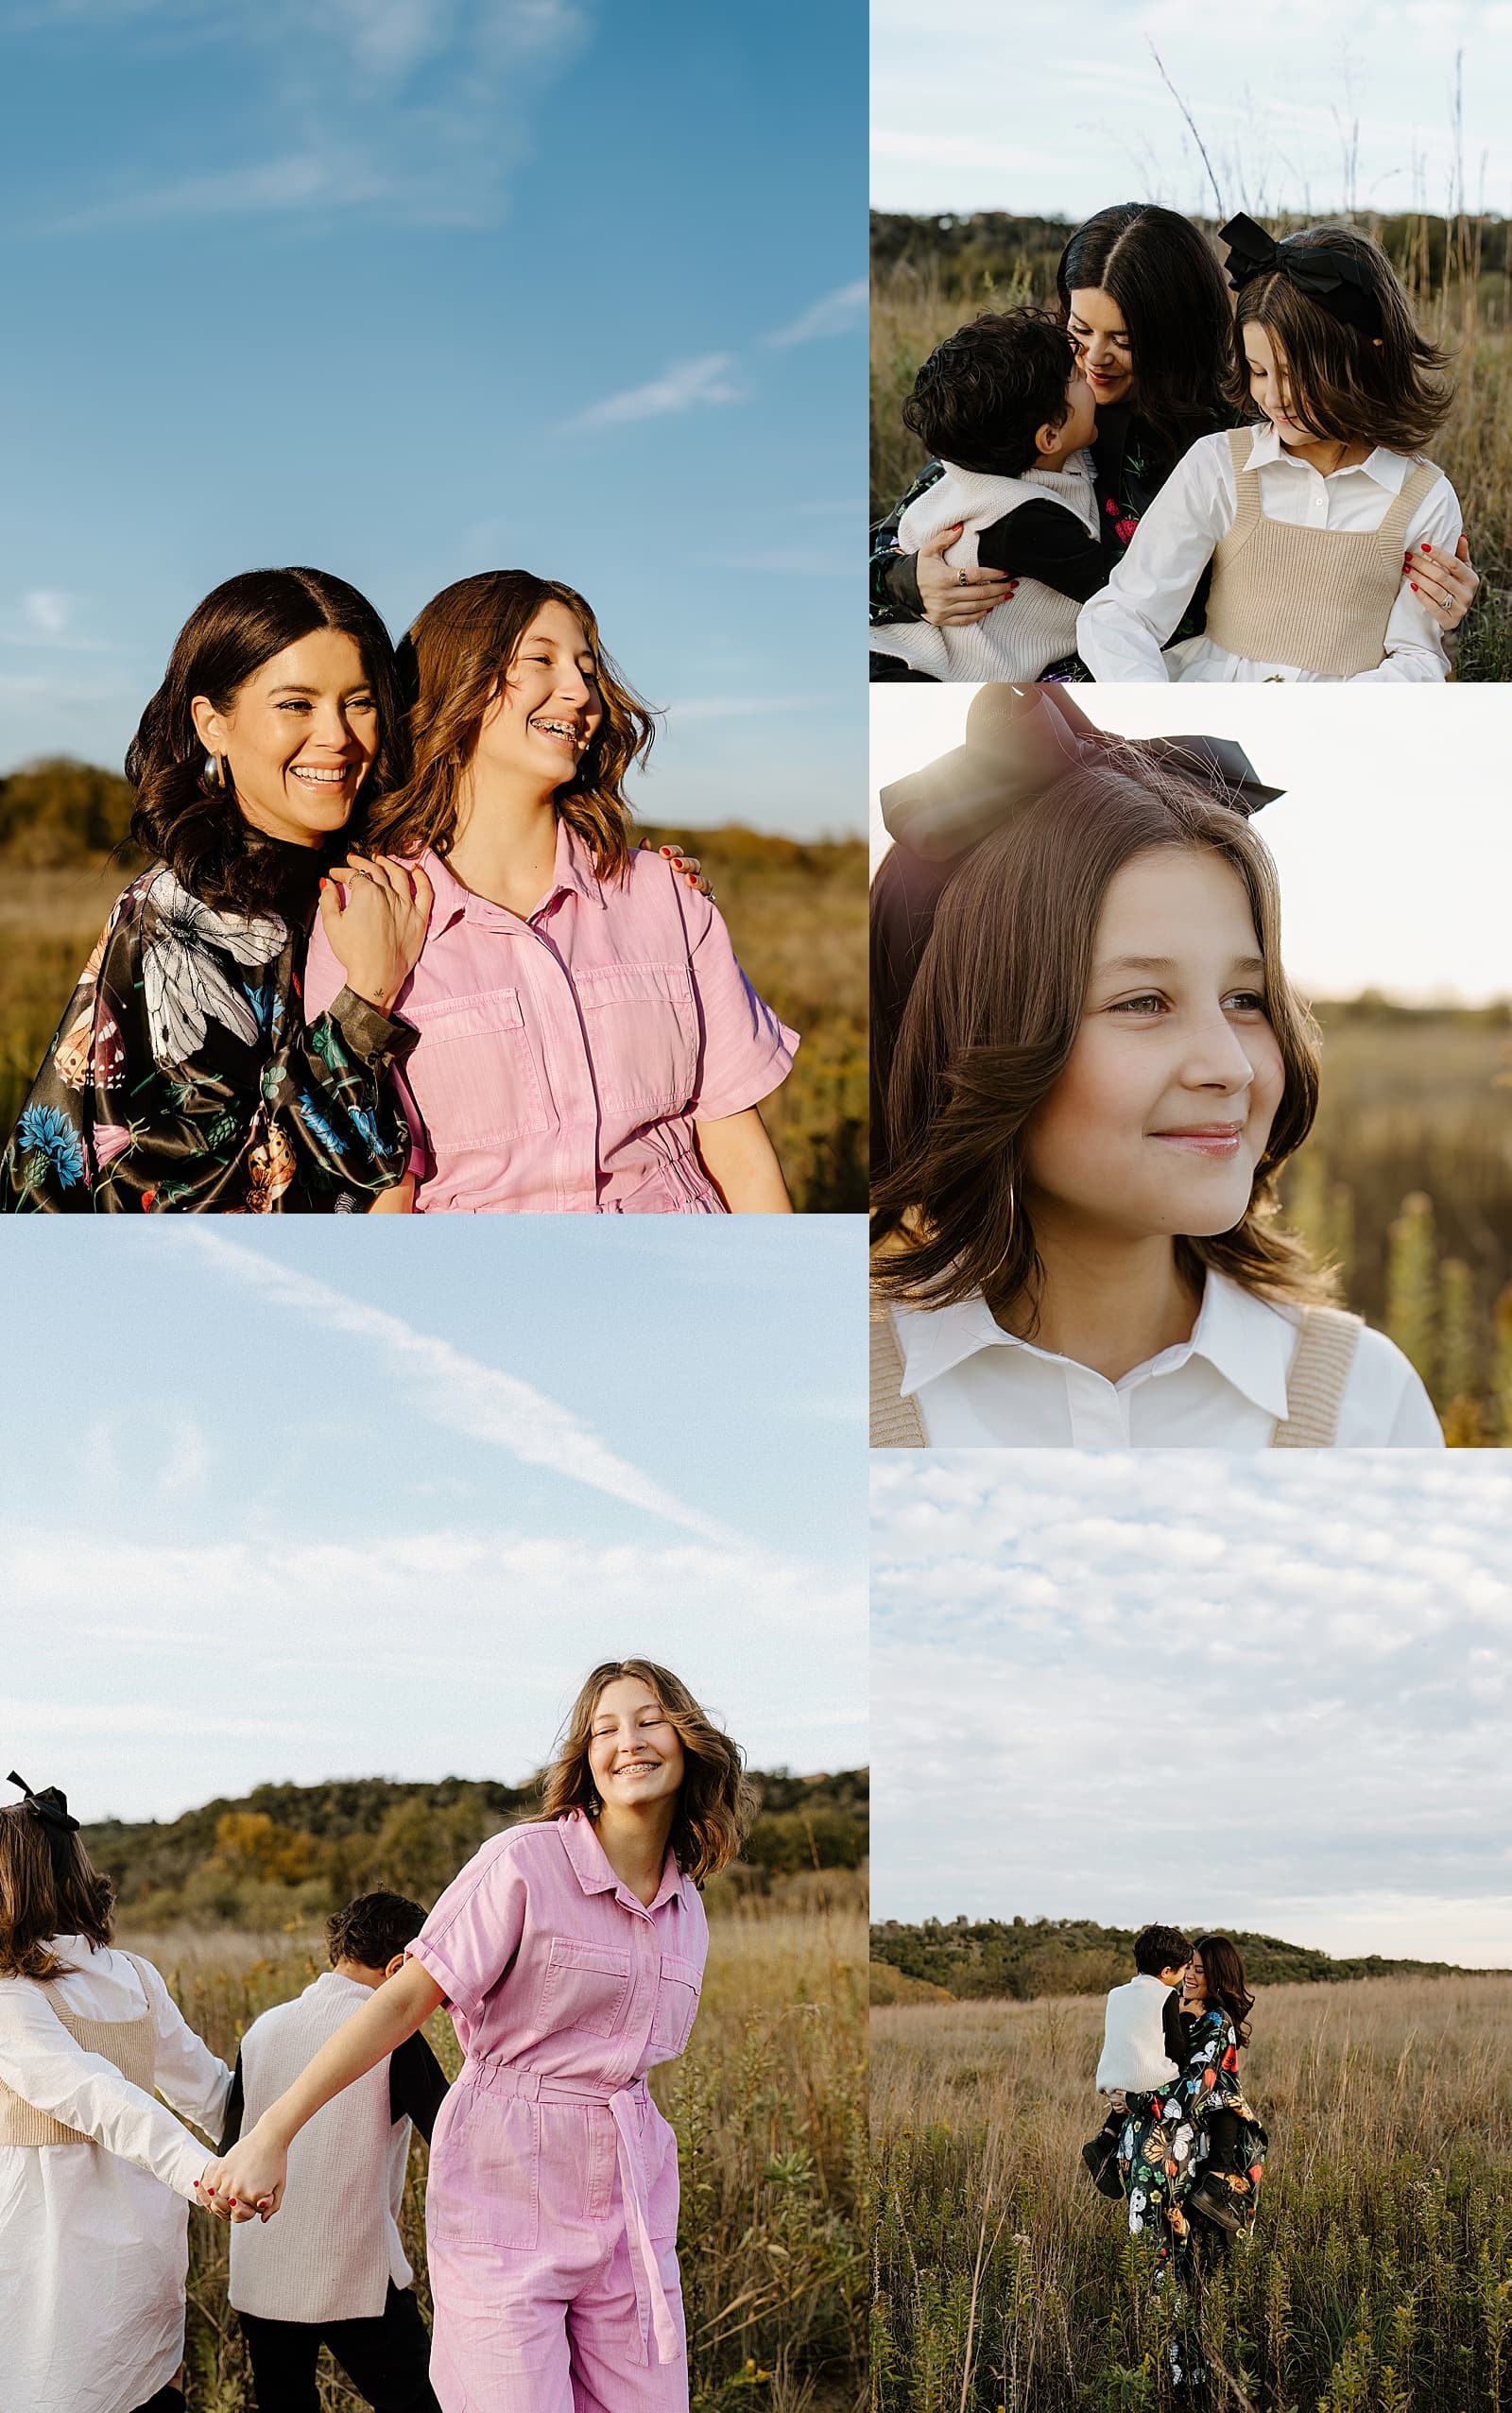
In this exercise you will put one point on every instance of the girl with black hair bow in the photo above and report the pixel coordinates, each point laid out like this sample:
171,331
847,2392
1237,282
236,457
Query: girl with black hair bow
95,2175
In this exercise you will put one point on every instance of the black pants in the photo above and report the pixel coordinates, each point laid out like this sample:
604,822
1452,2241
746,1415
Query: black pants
167,2400
1225,2144
387,2360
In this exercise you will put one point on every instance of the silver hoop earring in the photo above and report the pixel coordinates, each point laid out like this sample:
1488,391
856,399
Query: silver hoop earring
594,1805
214,776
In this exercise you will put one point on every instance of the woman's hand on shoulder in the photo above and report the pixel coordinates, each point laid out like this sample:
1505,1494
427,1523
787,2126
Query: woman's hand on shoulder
375,911
686,867
953,598
1444,583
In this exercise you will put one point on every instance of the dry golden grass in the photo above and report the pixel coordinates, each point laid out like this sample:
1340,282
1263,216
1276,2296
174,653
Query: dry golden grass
1381,2276
769,2107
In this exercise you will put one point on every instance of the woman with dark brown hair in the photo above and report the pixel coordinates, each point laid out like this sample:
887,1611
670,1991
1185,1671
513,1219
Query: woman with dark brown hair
95,2175
570,1952
1100,1072
185,1074
587,1040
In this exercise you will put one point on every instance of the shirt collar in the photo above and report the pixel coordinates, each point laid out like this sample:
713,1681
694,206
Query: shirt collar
1388,469
1245,1340
589,1864
572,872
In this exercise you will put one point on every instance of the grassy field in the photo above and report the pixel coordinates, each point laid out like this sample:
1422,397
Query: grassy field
932,279
770,2112
797,913
1380,2280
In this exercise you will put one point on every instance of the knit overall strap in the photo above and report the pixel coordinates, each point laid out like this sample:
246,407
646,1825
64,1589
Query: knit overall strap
1319,599
1316,1378
131,2046
1247,509
896,1423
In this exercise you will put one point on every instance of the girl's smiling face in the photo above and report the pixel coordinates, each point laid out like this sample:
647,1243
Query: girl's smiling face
1104,350
1162,1114
549,710
299,735
634,1752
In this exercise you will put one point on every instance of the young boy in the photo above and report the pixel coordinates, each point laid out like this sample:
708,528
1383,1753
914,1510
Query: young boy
1006,410
331,2266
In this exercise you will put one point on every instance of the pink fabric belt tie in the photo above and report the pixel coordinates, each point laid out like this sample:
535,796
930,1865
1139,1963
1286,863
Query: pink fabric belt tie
509,2077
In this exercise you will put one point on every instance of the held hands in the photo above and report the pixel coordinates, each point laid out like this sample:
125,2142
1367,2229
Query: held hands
248,2183
1444,583
375,910
953,598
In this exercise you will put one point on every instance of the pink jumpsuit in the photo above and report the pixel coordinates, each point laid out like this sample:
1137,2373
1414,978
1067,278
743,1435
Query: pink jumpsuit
552,2205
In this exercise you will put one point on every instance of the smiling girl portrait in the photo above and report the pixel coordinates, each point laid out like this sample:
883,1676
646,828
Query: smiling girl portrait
1097,1074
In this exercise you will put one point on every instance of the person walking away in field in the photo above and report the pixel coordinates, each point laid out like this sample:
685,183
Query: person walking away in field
95,2175
588,1042
570,1952
333,2270
1307,519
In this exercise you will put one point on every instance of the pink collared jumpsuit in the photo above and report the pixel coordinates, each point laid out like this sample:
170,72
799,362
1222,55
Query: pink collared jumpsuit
552,2205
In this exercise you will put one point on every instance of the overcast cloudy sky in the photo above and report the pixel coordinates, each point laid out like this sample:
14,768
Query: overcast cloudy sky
1393,839
286,1507
1304,104
1270,1693
411,288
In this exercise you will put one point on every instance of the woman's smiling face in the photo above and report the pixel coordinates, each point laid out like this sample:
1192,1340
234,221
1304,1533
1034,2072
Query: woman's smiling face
300,736
1194,1984
1162,1114
634,1752
548,713
1104,350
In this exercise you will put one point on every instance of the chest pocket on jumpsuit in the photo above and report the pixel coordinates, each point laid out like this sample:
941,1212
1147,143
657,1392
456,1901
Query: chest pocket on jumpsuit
586,1986
641,1027
474,1070
677,2004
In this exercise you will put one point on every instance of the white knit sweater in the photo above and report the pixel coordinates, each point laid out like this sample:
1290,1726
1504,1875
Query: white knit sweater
331,2248
1134,2054
1037,626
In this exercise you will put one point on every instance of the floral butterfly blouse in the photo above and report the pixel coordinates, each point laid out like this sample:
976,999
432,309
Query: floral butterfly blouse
184,1075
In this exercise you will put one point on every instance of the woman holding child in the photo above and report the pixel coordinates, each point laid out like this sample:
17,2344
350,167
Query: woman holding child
1174,375
570,1952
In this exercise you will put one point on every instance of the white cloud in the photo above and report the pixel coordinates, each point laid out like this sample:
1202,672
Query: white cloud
188,1459
688,385
835,314
457,1391
47,610
1246,1690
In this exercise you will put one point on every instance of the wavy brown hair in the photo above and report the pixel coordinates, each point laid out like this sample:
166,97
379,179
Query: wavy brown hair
716,1803
41,1898
456,662
1223,1971
1341,383
993,1016
197,829
1163,273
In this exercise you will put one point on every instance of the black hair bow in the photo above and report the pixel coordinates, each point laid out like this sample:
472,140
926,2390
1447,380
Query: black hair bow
1333,279
50,1810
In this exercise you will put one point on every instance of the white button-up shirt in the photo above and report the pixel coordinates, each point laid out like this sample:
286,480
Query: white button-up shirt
94,2236
978,1387
1121,631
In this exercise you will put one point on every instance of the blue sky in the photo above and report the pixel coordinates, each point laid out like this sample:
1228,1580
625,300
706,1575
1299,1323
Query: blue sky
1304,105
410,288
1248,1692
273,1509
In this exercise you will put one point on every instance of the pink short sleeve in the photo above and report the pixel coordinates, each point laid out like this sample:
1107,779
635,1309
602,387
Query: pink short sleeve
744,1052
474,1933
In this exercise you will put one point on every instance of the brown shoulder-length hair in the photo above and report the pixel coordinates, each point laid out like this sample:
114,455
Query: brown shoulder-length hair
197,827
717,1802
455,661
1223,1970
993,1016
40,1899
1342,384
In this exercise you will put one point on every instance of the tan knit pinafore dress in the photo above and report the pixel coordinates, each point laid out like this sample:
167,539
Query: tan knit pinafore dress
129,2046
1317,599
1314,1384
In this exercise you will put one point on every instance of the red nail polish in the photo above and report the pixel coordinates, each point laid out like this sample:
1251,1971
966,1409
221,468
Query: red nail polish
1427,547
1414,586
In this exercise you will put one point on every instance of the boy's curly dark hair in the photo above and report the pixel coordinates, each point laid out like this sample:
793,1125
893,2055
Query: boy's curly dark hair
371,1929
1158,1948
983,395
